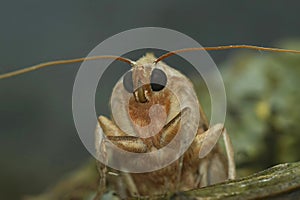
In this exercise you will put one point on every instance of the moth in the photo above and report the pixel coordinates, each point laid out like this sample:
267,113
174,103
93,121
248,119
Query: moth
149,83
202,164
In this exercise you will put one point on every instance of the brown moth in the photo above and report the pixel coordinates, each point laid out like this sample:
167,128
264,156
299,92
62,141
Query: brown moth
202,164
192,170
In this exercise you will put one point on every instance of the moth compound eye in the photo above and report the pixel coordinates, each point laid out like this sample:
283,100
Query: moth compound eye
158,80
128,82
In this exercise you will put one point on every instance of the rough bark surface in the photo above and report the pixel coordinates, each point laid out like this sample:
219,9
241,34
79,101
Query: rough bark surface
279,182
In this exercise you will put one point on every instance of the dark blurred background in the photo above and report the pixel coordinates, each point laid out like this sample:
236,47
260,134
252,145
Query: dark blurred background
38,140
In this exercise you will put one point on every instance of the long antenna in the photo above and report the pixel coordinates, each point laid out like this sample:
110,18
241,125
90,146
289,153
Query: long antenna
60,62
218,48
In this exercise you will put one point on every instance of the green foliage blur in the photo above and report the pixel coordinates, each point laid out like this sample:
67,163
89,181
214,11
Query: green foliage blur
263,107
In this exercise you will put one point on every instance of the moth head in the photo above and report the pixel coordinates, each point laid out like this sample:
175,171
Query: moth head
144,96
149,96
144,80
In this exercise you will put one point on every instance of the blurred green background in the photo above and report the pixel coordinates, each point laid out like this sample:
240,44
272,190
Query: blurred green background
38,140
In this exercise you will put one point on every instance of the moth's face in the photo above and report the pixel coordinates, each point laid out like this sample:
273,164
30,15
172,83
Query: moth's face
150,99
147,99
143,81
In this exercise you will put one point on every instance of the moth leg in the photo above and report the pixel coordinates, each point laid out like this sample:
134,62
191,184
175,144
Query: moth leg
179,173
166,135
169,131
109,127
230,155
208,140
108,132
102,169
129,143
132,144
131,185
